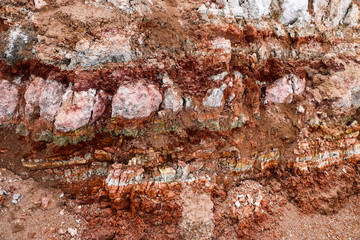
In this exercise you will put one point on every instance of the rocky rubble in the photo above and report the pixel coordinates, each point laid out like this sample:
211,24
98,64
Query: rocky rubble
160,112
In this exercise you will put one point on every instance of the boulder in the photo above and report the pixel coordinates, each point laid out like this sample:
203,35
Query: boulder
136,101
283,88
8,100
75,110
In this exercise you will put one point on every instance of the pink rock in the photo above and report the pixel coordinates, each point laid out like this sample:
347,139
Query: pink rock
76,109
101,99
50,99
46,95
32,95
8,100
222,49
282,88
136,101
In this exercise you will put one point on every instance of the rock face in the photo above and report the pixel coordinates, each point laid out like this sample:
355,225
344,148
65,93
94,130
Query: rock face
136,101
173,100
75,110
157,113
8,100
46,95
283,88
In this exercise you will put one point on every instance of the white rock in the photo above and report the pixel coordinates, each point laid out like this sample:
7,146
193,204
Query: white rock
338,10
16,39
352,17
50,99
293,10
45,94
72,231
173,100
214,99
253,9
136,101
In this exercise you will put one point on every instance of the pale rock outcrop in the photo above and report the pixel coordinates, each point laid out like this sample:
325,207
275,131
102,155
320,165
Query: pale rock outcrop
76,109
352,17
8,100
136,101
129,6
32,95
173,100
17,41
46,95
50,99
101,100
113,47
215,98
319,7
282,88
252,9
40,3
293,10
338,10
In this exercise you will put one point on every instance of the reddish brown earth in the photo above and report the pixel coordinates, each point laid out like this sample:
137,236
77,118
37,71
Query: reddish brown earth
179,119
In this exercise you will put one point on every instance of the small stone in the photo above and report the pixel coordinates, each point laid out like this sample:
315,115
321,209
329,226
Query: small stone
300,109
214,100
44,202
173,100
72,231
16,198
61,231
39,3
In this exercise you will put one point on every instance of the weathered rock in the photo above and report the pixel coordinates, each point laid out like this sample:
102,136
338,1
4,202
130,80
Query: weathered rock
215,99
8,100
293,10
173,100
136,101
50,99
18,41
282,88
253,9
101,100
352,16
40,3
46,95
75,110
338,10
114,47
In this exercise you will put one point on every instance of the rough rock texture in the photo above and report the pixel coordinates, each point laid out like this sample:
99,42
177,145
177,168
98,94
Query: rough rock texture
179,119
136,101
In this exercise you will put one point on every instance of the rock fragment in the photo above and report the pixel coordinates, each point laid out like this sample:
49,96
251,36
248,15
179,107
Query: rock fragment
173,100
8,100
136,101
16,198
284,87
76,109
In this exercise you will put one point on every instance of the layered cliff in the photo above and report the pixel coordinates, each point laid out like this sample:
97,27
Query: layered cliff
188,118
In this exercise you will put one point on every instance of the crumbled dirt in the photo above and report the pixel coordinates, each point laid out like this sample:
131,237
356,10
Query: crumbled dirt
42,213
